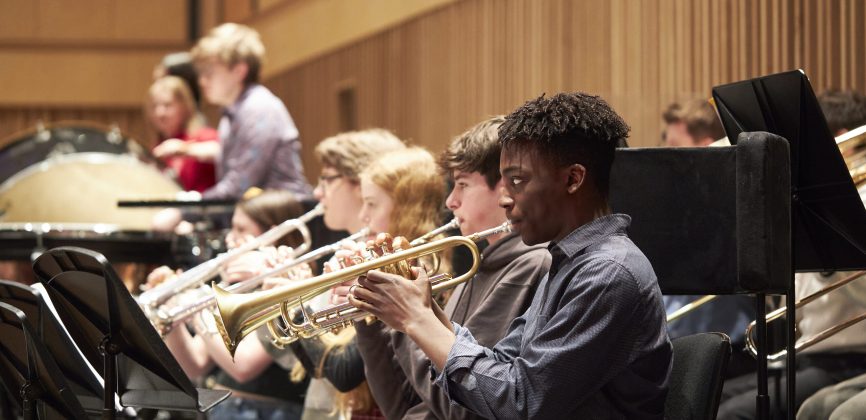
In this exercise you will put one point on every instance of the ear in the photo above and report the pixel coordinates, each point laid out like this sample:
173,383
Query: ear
576,176
240,70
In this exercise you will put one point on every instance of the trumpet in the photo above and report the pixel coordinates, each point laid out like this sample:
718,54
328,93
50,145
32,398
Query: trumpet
239,315
199,274
817,338
166,320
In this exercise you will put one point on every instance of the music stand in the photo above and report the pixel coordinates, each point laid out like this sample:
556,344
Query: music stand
82,380
711,220
27,366
115,336
828,217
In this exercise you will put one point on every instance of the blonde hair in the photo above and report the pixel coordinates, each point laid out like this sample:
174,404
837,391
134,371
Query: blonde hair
180,92
232,43
350,152
413,181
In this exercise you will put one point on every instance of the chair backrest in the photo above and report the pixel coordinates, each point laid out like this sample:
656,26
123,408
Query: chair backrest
696,379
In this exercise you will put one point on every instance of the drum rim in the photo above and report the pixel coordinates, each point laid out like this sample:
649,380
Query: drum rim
85,157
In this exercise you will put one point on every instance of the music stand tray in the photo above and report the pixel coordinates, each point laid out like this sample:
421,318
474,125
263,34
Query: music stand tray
115,336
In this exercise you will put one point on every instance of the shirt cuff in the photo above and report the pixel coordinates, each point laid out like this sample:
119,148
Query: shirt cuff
460,358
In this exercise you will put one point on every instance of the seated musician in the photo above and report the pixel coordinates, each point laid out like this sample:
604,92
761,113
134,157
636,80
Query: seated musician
402,193
692,124
173,113
260,388
501,290
343,157
592,344
843,355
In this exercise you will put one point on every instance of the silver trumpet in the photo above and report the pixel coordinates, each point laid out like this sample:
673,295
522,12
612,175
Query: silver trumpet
196,276
165,320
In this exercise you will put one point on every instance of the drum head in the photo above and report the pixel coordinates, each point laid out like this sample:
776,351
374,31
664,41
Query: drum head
84,188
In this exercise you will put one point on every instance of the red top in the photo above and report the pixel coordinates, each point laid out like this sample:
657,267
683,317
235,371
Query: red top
195,175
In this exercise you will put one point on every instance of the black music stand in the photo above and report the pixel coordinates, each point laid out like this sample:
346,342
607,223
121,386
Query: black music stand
711,220
82,380
27,367
115,336
828,217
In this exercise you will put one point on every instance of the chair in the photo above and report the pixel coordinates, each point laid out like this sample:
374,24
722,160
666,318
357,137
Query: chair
697,375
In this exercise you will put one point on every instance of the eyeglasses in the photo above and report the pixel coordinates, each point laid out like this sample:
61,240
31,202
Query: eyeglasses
326,179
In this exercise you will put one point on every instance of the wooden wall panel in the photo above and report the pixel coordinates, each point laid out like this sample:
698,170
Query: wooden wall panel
430,78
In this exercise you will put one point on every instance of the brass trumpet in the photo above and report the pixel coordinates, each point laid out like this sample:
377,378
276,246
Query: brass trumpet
239,315
196,276
817,338
165,320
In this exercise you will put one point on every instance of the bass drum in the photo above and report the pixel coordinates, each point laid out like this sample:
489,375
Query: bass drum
84,188
26,148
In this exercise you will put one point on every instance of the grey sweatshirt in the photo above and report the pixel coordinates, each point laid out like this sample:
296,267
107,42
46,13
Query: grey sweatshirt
398,372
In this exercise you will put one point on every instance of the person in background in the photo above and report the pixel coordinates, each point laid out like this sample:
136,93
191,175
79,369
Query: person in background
396,370
691,124
180,64
173,114
260,388
259,143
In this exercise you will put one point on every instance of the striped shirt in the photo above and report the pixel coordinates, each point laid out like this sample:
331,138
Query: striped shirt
591,345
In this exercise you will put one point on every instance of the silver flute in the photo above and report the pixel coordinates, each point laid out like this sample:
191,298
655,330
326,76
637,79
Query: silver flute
201,273
165,320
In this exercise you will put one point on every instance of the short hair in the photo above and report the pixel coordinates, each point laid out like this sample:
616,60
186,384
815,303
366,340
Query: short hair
180,91
413,181
699,116
569,128
232,43
350,152
843,109
476,150
270,208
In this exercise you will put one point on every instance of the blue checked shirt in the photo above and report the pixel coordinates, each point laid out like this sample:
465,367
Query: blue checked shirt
591,345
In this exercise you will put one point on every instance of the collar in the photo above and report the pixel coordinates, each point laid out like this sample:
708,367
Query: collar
590,233
232,110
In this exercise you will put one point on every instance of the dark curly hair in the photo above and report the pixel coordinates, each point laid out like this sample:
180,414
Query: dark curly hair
569,128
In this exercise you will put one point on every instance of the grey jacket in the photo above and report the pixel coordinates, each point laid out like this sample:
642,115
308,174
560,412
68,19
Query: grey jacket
398,372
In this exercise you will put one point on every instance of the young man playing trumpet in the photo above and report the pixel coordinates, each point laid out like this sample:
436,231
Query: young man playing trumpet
593,342
396,370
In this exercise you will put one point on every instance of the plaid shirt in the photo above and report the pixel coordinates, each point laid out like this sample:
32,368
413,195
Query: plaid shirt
591,345
260,148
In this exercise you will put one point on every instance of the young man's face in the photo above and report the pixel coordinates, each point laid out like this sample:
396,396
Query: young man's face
474,203
341,199
534,195
220,83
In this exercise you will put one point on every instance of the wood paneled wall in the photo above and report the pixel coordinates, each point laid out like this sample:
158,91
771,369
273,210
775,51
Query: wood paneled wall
432,77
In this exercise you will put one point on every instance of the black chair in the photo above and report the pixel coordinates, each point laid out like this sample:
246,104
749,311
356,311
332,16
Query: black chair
697,376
